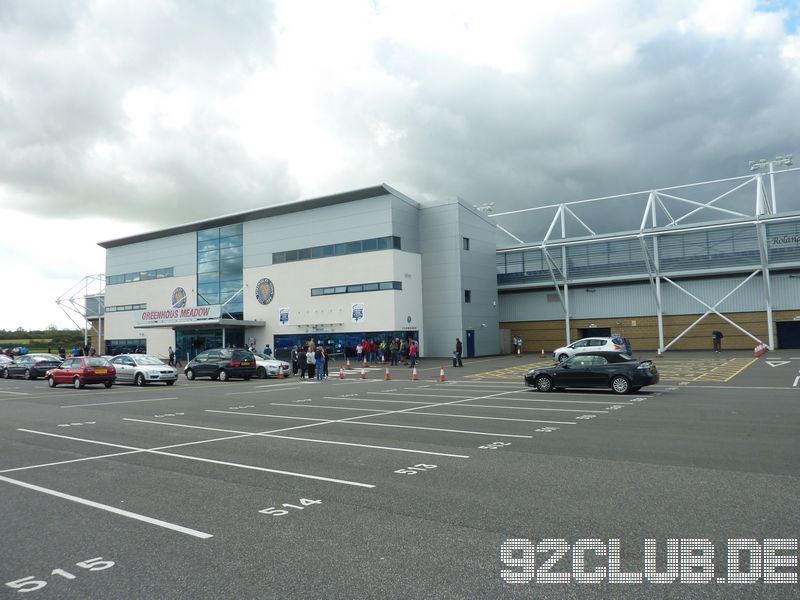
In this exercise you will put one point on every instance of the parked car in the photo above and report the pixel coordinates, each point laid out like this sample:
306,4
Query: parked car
222,364
142,369
270,367
616,370
591,344
83,370
30,366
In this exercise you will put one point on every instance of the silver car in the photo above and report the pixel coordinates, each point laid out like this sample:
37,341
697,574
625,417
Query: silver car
592,344
142,369
267,366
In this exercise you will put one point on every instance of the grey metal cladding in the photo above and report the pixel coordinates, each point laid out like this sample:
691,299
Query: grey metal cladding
178,251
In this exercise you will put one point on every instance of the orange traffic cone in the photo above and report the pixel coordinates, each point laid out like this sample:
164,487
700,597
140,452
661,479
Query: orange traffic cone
341,373
348,367
541,354
519,351
363,374
441,373
414,376
387,377
280,374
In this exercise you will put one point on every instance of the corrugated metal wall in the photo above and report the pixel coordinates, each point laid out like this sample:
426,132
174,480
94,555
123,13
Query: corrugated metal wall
634,298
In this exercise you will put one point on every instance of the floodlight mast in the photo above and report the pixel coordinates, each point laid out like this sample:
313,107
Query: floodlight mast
784,160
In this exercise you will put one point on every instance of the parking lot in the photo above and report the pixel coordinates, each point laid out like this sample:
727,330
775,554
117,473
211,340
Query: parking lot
366,488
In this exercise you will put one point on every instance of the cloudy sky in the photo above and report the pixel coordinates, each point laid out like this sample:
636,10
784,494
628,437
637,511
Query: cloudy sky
118,117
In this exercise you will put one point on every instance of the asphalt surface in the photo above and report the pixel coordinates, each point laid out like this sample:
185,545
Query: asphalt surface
175,485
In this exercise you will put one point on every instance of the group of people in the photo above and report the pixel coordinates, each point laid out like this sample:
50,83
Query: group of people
312,360
392,351
517,345
77,351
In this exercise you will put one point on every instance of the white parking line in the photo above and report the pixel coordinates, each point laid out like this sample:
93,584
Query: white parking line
16,393
373,400
119,402
207,460
294,387
111,509
564,401
580,410
350,422
299,439
379,410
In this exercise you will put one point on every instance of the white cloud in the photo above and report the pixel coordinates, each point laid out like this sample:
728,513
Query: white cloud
167,111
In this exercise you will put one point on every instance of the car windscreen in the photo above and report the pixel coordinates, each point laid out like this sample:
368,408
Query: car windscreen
148,360
97,362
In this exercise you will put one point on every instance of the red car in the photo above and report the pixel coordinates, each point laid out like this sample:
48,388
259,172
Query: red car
80,370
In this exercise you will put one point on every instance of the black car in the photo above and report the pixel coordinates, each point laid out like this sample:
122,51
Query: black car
30,366
616,370
222,364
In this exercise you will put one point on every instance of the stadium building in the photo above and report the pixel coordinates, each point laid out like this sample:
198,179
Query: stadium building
662,268
366,264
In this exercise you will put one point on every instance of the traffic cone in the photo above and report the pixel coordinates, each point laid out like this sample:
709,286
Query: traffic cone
341,373
541,354
414,376
519,351
348,367
280,374
441,373
387,377
363,374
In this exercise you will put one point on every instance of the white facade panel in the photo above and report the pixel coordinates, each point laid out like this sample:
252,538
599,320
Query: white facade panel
176,251
362,219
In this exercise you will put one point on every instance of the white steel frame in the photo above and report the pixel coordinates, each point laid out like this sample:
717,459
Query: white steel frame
73,303
765,204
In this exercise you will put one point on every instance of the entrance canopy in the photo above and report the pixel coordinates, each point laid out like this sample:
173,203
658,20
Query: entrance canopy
193,317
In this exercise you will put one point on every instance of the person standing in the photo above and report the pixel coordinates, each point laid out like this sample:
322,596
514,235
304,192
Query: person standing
325,357
412,354
268,351
302,362
360,351
318,363
393,349
457,354
311,363
294,360
171,357
62,352
716,338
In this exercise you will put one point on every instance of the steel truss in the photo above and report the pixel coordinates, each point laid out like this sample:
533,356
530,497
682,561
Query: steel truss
74,304
657,221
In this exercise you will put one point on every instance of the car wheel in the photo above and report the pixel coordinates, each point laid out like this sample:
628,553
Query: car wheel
620,385
223,375
543,383
108,384
190,375
77,383
171,382
562,357
5,374
27,374
139,380
261,373
51,381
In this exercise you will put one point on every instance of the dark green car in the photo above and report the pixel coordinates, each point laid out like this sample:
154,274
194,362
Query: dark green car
222,364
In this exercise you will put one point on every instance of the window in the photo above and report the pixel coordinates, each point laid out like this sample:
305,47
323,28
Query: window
139,276
341,249
467,296
465,243
358,288
220,267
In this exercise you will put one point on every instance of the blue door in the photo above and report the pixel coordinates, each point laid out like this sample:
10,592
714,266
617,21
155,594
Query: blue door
470,343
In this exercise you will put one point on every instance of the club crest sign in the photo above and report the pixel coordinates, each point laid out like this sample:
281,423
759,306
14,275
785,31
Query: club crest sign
178,297
265,291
